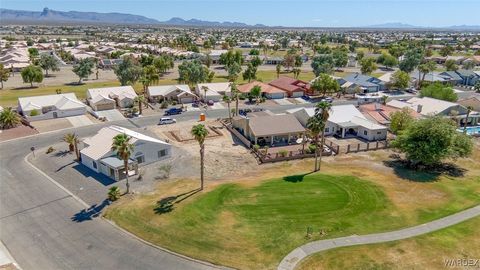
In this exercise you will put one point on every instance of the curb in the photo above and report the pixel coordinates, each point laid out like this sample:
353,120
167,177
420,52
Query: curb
4,249
118,227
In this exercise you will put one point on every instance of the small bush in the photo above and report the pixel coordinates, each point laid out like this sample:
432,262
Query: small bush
164,105
114,193
311,149
50,150
256,147
283,153
34,112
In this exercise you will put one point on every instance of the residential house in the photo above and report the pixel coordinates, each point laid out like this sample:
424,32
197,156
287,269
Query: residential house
180,93
473,102
97,152
369,84
344,121
50,106
381,114
267,90
429,106
213,91
293,87
109,98
266,128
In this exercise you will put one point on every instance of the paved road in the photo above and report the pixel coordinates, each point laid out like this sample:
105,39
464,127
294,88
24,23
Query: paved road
294,257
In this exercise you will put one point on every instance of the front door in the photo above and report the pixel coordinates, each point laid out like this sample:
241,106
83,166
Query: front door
55,115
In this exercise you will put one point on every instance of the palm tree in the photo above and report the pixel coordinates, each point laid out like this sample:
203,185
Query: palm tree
205,90
278,68
9,118
113,193
315,127
322,112
70,138
140,100
200,133
228,100
469,110
122,146
236,96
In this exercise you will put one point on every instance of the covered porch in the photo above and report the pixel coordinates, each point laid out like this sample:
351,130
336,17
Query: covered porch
113,167
347,130
279,139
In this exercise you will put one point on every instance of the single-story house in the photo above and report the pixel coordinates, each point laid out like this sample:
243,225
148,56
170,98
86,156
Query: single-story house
50,106
344,121
179,92
266,128
99,157
381,114
269,91
368,83
429,106
109,98
293,87
213,91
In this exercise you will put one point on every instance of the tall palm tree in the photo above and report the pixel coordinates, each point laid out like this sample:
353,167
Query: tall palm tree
9,118
122,146
200,133
72,140
228,100
469,110
322,112
315,127
235,95
140,100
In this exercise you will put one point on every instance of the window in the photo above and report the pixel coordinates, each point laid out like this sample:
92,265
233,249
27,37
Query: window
379,132
162,153
327,129
94,164
365,132
140,159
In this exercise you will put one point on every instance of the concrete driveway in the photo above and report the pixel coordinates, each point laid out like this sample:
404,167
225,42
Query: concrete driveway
111,115
80,120
283,101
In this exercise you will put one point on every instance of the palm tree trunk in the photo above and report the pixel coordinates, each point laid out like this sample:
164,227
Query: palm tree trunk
125,163
229,112
202,152
466,122
322,142
31,84
316,153
236,104
140,107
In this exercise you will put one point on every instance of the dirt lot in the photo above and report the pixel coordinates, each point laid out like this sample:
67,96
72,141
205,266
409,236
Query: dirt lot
20,131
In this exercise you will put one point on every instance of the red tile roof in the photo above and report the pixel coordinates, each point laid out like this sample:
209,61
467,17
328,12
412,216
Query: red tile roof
266,88
290,84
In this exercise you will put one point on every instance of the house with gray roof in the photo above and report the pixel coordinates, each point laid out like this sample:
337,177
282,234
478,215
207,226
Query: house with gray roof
369,84
50,106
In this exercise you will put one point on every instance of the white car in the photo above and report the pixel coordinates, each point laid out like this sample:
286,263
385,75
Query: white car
166,121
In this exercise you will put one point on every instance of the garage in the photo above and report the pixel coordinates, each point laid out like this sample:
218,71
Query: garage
297,94
104,106
276,95
186,100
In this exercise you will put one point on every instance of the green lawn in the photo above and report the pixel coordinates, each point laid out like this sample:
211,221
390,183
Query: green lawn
423,252
254,227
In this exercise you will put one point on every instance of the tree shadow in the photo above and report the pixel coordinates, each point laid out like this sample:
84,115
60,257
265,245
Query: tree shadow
90,213
166,205
64,166
295,178
74,84
404,169
25,88
62,153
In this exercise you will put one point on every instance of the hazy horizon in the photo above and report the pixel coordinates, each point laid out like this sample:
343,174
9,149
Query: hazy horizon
303,13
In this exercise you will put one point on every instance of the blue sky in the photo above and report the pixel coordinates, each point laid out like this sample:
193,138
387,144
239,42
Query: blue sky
280,12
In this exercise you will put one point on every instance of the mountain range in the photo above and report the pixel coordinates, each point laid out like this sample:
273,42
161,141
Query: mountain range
53,16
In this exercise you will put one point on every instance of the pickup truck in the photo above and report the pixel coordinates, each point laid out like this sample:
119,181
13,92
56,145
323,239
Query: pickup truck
173,111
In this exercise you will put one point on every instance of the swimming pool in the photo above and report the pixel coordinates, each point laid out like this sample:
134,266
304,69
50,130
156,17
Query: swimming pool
471,130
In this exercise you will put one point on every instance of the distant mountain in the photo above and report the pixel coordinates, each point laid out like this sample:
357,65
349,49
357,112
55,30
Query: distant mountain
464,27
393,25
53,16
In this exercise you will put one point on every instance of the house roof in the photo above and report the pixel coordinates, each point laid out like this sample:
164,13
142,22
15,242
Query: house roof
275,125
101,143
266,88
289,84
163,90
472,101
119,92
429,105
363,80
216,87
60,101
381,113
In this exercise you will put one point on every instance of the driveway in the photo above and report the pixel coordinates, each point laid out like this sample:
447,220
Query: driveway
283,101
111,115
80,120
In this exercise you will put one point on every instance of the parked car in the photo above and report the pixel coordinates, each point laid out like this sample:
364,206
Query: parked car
210,103
173,111
166,121
327,99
